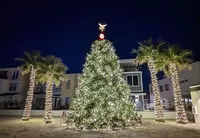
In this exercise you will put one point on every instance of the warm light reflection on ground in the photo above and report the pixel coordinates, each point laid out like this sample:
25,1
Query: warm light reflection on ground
14,127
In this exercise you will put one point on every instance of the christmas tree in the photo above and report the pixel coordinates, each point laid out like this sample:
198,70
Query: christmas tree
102,97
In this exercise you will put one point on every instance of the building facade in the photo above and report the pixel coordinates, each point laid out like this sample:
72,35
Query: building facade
13,85
133,77
187,78
62,94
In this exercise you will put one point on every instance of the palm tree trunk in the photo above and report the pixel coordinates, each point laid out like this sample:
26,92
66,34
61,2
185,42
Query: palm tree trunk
29,99
48,101
158,109
181,116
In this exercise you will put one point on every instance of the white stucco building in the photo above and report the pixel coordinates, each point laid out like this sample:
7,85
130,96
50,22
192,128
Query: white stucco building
14,86
186,79
133,76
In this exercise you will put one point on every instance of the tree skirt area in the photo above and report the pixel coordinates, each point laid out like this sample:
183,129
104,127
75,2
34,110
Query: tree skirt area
13,127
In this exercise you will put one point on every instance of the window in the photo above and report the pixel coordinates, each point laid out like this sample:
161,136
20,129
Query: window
15,75
167,87
132,80
56,89
162,89
68,84
3,74
135,80
39,87
129,80
67,100
12,87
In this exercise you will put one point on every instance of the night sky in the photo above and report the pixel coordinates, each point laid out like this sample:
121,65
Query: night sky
68,28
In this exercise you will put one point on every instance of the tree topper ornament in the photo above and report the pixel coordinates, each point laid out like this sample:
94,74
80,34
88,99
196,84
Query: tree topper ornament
102,29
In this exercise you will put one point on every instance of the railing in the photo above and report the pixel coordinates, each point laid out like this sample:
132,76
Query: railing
150,105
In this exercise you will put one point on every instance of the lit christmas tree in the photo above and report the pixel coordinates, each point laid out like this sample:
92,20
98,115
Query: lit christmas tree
102,97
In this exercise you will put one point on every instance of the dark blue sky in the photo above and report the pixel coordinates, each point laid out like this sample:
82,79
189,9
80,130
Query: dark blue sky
67,28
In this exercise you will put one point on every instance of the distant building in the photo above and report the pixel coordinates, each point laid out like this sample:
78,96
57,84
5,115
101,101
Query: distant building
62,94
133,77
186,79
14,86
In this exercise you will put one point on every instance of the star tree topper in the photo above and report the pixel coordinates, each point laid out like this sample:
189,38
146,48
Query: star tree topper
102,29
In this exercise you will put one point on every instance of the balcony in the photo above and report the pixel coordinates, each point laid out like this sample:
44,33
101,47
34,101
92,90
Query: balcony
128,65
57,93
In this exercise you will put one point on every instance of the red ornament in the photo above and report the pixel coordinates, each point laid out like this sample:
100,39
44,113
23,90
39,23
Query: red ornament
101,36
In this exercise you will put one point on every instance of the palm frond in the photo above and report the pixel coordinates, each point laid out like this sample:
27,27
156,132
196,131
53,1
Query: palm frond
161,43
20,59
182,58
147,50
134,51
57,83
52,66
30,59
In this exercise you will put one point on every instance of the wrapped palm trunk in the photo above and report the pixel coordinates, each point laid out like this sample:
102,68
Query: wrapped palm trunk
181,116
48,101
29,99
158,108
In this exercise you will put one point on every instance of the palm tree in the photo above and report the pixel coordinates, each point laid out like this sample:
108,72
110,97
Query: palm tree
51,71
30,66
148,53
171,61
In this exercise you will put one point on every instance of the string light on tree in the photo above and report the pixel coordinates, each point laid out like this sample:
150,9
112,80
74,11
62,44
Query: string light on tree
29,67
51,71
48,101
29,99
147,53
102,96
181,116
158,106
